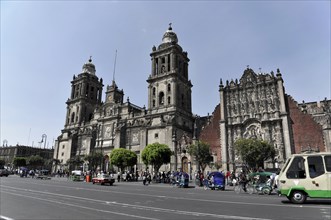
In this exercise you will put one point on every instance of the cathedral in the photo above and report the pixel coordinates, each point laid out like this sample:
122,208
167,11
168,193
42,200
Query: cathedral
117,123
255,106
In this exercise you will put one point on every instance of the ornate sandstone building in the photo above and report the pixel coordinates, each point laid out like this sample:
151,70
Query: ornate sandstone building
255,106
95,125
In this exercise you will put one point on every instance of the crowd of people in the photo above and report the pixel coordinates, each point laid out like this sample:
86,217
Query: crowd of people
240,177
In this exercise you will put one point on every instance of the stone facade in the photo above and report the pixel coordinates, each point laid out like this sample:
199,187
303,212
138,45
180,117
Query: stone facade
103,126
8,153
257,106
254,107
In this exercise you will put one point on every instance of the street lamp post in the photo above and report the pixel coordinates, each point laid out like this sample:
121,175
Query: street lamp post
44,136
43,139
174,143
98,134
5,143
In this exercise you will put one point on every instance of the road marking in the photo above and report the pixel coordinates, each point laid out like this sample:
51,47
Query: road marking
184,198
83,207
125,205
5,218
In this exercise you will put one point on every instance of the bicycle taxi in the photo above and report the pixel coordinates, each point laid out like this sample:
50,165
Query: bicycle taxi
260,182
180,179
215,180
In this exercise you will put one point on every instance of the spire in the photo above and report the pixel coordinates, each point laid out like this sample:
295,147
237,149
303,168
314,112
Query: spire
114,66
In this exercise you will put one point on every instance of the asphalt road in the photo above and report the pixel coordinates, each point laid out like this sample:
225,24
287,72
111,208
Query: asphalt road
58,198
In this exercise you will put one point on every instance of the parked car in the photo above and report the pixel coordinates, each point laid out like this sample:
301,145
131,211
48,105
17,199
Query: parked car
103,179
4,172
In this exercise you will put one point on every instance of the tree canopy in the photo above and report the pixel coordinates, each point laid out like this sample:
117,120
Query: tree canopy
122,158
94,159
156,154
254,152
201,151
2,162
19,161
36,161
75,161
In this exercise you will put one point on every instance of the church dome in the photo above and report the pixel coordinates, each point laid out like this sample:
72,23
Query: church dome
89,67
169,36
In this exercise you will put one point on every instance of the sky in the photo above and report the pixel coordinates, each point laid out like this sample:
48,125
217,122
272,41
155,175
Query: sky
45,43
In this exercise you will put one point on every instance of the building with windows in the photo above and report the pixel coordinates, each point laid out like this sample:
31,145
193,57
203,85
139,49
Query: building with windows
117,123
8,153
255,106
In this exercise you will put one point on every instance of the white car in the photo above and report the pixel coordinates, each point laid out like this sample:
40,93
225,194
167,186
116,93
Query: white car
76,172
103,179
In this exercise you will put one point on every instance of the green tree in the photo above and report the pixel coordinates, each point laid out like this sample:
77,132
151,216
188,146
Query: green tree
75,162
254,152
122,158
19,161
94,159
36,161
2,162
201,151
156,154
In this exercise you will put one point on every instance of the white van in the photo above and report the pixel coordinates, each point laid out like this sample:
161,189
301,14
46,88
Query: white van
306,175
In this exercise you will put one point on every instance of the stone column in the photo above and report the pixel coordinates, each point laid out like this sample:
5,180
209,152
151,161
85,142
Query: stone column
73,87
67,116
284,116
174,89
172,61
281,94
166,63
99,91
150,99
223,132
153,66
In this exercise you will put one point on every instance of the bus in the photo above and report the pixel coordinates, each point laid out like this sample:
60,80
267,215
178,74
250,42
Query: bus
306,175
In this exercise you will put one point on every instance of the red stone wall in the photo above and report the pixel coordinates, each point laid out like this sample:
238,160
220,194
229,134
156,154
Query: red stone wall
306,132
210,133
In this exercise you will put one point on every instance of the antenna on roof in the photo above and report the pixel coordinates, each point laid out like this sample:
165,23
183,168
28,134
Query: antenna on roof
114,66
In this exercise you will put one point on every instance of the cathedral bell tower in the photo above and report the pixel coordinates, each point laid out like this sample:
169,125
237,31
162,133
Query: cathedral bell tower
113,94
86,91
169,88
169,100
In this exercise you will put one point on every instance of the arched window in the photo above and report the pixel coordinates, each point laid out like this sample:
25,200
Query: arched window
169,87
153,102
169,100
161,98
154,91
163,69
73,117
